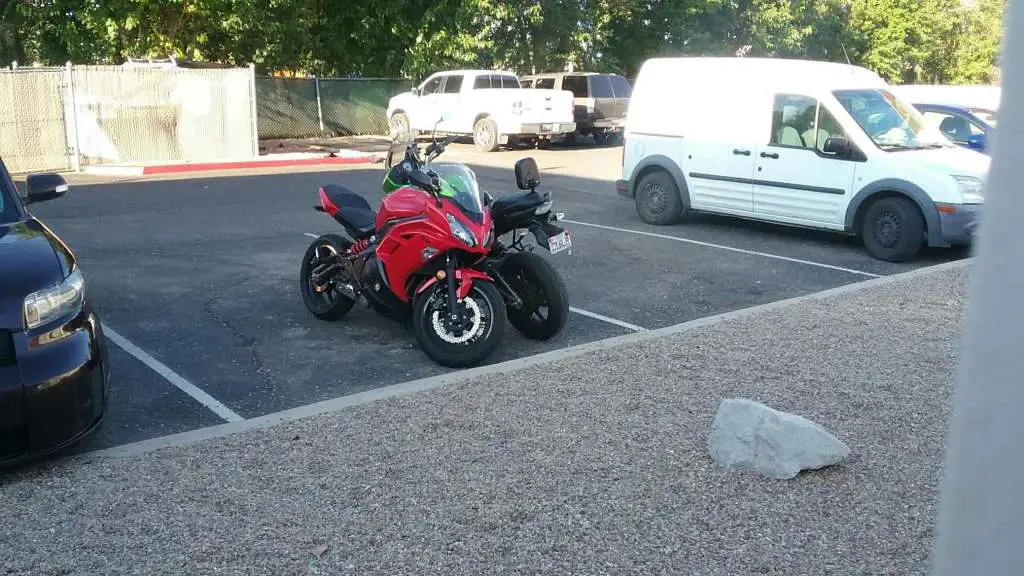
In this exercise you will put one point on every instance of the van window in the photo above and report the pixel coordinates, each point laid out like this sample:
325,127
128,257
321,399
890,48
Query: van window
453,84
890,123
802,122
621,87
546,83
577,85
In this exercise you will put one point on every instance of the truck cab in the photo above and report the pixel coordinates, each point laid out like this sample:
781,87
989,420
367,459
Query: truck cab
490,105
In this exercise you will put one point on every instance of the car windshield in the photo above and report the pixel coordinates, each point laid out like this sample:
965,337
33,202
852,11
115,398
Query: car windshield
891,124
458,184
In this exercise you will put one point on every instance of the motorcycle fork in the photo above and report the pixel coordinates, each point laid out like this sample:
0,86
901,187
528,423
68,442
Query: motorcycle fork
455,320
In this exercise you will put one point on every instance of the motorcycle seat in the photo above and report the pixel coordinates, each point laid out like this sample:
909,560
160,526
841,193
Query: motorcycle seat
351,211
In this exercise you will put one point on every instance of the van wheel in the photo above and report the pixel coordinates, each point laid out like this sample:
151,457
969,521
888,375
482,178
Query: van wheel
658,200
485,135
893,229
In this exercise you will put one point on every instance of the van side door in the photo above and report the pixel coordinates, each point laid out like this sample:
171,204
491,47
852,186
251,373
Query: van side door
795,180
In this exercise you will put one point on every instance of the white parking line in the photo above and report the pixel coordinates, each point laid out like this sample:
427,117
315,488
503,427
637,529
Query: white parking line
310,235
729,248
619,323
184,385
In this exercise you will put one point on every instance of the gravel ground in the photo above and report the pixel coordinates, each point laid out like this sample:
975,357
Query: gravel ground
592,465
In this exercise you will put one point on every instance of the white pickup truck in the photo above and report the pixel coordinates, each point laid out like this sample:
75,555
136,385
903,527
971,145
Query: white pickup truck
488,104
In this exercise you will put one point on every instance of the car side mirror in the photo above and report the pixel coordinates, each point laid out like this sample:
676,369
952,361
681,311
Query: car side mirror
44,187
976,142
837,145
527,174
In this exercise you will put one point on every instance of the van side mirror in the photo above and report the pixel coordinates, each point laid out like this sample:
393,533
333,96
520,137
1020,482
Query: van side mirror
976,142
44,187
837,145
527,174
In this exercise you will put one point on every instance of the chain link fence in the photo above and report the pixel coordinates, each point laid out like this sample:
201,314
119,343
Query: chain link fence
163,114
301,108
60,119
33,133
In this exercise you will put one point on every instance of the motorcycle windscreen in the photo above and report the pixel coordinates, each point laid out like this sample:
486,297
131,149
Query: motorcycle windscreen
458,184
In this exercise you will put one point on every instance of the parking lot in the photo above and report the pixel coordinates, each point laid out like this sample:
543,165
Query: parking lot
196,281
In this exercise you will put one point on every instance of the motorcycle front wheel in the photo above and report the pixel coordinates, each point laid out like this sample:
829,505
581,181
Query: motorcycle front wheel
478,336
545,298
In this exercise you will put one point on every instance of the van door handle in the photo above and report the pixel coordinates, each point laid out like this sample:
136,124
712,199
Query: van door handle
740,152
772,155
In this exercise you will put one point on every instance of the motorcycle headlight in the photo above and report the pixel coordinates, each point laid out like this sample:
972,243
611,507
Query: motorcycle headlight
460,231
47,305
971,188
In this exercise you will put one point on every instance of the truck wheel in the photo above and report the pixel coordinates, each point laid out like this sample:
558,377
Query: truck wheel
893,229
485,135
658,200
400,129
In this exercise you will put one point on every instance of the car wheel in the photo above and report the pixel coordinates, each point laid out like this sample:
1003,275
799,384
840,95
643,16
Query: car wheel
893,229
485,135
658,200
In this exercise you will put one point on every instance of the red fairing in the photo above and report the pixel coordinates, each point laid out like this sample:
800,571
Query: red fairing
325,201
411,221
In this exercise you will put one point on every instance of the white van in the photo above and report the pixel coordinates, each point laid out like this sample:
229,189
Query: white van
797,142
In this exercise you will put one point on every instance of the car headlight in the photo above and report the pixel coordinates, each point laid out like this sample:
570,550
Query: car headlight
460,231
52,303
971,189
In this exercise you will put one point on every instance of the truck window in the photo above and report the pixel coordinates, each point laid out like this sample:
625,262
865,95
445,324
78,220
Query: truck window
432,86
526,83
577,85
453,84
508,82
601,87
546,83
621,86
802,122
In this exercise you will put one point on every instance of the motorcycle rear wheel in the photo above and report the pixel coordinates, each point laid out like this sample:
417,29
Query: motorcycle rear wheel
545,298
323,300
486,310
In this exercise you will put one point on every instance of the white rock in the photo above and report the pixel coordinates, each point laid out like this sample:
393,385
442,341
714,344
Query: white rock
748,434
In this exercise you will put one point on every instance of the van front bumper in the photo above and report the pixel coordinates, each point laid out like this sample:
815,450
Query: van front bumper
959,222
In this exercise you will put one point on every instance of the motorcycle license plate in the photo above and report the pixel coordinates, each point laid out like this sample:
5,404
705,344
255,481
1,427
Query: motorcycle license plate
559,242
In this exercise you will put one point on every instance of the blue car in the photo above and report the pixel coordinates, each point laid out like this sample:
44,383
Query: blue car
968,127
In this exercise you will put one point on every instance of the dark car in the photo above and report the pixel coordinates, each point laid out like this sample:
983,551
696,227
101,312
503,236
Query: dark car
53,360
967,127
601,100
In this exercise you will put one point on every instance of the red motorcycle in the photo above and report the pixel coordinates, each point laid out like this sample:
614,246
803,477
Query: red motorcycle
431,255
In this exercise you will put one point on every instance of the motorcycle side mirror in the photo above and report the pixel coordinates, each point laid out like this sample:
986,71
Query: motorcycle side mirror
488,199
527,174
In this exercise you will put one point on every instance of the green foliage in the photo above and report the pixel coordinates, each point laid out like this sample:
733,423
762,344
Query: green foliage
903,40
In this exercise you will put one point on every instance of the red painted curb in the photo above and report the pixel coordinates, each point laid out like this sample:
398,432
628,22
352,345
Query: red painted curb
209,166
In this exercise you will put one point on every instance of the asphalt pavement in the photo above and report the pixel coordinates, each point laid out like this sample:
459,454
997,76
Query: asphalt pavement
200,275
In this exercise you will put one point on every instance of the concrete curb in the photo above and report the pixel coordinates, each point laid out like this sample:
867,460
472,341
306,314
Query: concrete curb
263,162
337,404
